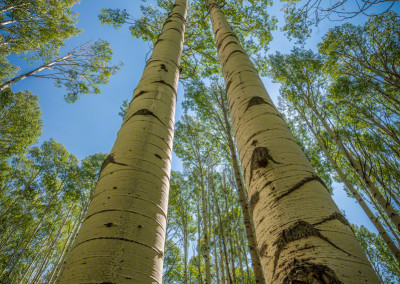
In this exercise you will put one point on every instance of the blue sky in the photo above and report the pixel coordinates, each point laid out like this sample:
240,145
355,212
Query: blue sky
90,125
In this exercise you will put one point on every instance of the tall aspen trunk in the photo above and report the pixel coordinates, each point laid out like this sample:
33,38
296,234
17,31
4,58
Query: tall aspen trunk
302,236
249,226
199,245
236,239
393,248
239,253
205,226
232,252
122,236
229,236
221,254
243,246
222,234
185,251
222,262
210,228
215,243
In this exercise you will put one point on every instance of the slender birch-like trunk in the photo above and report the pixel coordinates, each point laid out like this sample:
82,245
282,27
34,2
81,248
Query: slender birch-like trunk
215,243
185,250
210,228
221,254
236,240
122,236
200,278
243,246
229,236
224,245
205,225
249,226
302,236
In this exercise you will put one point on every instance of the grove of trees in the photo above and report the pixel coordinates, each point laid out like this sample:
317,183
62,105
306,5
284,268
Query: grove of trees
253,201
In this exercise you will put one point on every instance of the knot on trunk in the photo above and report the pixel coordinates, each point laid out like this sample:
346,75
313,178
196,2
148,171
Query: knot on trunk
310,273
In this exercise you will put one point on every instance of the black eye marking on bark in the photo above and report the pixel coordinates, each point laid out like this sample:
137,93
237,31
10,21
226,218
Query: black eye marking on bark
138,95
256,101
229,43
228,85
260,159
108,225
145,112
158,156
233,52
334,216
168,21
164,68
216,31
157,41
165,83
179,31
300,184
303,272
263,249
297,231
254,143
160,254
212,6
110,160
254,200
228,34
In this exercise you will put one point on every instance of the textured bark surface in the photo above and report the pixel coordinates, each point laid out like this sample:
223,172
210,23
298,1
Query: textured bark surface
302,237
122,236
249,226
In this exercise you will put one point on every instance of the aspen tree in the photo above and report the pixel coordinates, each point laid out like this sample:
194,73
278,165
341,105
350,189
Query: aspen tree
302,236
211,103
122,236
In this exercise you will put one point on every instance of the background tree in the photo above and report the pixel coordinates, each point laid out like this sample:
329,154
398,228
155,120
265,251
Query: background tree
42,204
37,28
302,15
250,20
20,123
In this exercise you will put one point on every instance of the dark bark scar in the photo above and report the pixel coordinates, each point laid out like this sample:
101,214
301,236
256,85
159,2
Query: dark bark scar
297,231
298,185
256,101
260,159
303,272
110,160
